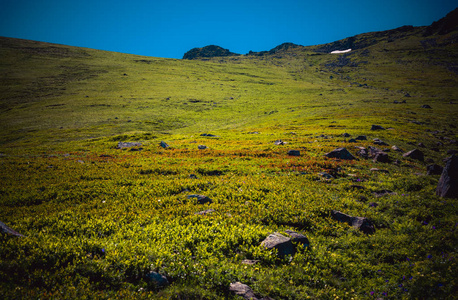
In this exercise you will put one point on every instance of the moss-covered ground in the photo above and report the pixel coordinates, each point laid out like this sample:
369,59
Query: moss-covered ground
97,219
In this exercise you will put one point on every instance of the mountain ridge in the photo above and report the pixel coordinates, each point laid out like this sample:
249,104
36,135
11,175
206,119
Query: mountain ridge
443,26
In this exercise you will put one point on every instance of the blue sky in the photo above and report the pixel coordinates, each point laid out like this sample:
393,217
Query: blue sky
170,28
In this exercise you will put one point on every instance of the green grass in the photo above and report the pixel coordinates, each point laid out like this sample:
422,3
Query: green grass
97,219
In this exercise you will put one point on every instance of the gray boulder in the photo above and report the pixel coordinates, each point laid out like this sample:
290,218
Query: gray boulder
280,242
448,183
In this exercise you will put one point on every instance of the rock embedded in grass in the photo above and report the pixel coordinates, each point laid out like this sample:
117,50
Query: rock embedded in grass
448,182
279,142
201,199
205,212
7,230
341,153
381,157
361,223
298,237
280,242
377,127
164,145
294,153
201,147
242,290
122,145
434,169
361,138
157,280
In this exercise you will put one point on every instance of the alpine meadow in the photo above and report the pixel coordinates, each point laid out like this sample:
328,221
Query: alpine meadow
294,173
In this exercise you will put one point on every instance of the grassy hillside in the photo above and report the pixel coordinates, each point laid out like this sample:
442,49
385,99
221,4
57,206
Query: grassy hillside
97,220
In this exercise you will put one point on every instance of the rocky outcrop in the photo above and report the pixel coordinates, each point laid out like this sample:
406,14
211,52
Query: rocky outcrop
207,52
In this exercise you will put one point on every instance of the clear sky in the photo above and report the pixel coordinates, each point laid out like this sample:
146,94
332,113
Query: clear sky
169,28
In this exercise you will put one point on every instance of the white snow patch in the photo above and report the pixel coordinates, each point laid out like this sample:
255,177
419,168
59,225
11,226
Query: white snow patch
340,51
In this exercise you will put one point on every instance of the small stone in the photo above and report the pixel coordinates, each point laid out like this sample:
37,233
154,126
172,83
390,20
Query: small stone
361,138
202,147
379,170
279,142
250,261
205,212
426,106
382,193
379,142
122,145
193,176
346,135
396,148
325,175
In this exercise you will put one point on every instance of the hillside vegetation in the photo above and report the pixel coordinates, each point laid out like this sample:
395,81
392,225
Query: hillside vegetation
102,210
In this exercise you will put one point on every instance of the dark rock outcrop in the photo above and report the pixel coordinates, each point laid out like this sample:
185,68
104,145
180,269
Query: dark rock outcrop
156,280
415,154
434,169
448,183
164,145
341,153
294,153
377,127
207,52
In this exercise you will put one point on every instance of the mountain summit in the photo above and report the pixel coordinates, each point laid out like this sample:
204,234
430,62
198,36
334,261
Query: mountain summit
207,51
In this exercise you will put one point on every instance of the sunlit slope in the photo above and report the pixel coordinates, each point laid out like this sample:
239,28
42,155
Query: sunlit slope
52,93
